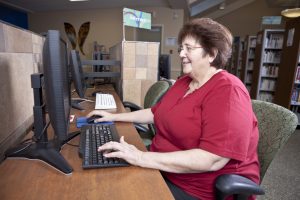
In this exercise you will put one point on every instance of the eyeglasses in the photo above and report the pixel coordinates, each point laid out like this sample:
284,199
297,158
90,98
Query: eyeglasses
187,48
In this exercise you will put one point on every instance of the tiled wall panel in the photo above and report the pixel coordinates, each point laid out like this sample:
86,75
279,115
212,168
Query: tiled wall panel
139,69
20,56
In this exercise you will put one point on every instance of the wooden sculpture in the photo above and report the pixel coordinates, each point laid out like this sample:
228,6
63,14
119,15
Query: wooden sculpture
82,34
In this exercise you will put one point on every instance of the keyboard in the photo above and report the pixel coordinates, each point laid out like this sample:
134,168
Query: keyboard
105,101
92,136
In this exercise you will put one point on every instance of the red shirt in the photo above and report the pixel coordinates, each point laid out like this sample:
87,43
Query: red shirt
217,118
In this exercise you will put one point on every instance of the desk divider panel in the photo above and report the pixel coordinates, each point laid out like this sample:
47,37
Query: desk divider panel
139,68
20,56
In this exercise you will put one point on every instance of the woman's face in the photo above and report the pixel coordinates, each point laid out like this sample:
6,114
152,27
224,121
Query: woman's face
192,57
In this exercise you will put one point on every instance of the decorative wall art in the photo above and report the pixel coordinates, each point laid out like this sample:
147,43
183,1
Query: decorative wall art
82,34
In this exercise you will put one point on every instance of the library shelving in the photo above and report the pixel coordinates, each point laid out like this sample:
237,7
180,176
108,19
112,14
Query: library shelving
240,49
248,60
288,86
230,65
266,64
236,58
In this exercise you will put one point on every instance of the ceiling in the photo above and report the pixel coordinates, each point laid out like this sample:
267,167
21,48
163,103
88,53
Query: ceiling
57,5
192,7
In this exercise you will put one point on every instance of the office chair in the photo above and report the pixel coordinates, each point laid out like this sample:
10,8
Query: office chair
153,95
275,124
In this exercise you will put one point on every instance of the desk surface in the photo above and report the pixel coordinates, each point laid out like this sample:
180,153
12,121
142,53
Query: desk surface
25,179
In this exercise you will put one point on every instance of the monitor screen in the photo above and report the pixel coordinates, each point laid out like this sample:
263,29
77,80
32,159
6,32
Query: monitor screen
77,73
164,66
56,83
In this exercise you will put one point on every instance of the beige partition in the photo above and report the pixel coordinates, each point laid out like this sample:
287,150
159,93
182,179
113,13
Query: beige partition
20,56
139,68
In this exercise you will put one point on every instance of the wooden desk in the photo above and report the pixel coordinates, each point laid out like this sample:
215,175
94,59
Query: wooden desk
29,180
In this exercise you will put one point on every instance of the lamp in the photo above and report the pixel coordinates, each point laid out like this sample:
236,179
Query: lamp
222,5
294,12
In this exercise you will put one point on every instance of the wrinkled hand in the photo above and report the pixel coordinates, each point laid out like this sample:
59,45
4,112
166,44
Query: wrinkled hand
122,150
106,116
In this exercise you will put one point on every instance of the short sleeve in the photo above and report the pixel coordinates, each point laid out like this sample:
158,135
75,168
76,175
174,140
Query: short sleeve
154,108
227,122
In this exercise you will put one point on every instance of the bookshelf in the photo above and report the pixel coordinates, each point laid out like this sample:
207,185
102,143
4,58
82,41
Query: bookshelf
248,60
240,49
266,64
230,65
288,87
236,58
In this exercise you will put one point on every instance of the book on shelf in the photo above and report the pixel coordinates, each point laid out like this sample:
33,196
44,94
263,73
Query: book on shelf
297,76
250,65
275,40
272,56
251,54
298,97
295,98
253,42
267,85
269,71
249,78
266,97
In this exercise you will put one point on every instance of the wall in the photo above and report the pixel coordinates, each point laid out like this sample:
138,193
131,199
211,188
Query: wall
20,56
172,20
106,27
106,24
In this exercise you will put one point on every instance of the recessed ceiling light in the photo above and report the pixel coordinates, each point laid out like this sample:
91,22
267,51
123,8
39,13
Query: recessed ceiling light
294,12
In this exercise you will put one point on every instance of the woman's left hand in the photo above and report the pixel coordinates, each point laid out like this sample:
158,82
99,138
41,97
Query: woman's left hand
122,150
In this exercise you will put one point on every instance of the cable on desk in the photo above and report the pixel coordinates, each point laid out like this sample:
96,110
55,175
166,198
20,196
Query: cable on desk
25,147
73,145
35,139
83,99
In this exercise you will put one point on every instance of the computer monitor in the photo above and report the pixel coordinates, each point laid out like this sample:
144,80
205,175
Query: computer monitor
54,85
164,66
78,79
77,73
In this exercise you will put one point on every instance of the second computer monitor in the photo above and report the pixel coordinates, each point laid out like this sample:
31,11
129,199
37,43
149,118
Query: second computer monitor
164,66
77,73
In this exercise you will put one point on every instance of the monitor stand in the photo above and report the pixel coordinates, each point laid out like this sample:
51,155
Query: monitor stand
75,103
95,93
48,152
42,149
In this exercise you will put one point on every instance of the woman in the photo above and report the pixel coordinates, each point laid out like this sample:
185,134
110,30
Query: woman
205,123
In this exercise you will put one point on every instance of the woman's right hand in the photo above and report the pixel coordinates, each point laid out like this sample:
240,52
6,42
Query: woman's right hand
105,116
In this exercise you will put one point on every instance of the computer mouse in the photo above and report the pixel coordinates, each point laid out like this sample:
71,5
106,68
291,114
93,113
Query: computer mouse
90,120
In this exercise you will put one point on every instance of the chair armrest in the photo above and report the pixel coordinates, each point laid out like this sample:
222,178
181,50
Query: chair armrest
131,106
232,184
141,128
